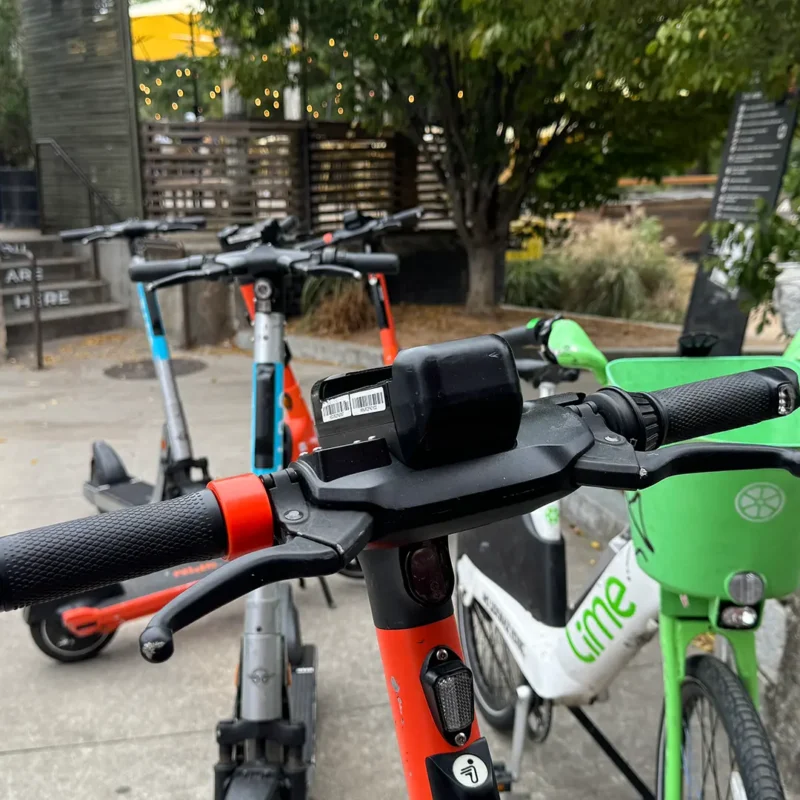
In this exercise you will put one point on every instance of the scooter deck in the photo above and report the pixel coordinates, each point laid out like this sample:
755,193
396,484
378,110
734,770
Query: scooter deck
119,495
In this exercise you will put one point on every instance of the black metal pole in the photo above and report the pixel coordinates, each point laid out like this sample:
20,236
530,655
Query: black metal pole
37,311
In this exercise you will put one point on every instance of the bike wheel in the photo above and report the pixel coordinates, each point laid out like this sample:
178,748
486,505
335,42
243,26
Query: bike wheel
54,640
495,673
726,752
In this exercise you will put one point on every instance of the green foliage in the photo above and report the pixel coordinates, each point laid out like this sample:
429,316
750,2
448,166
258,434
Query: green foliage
540,105
613,269
750,255
159,82
15,135
533,283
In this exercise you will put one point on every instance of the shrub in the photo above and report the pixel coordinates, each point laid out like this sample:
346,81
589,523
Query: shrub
335,306
533,283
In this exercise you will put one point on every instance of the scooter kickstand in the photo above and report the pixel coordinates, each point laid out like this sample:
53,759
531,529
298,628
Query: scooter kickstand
326,590
521,711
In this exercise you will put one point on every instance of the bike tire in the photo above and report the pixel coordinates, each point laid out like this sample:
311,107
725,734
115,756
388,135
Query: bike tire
709,679
498,713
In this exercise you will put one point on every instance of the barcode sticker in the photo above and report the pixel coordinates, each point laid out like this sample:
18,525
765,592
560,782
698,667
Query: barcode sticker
337,408
367,402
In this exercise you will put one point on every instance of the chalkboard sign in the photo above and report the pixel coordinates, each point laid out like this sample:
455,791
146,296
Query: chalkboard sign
753,165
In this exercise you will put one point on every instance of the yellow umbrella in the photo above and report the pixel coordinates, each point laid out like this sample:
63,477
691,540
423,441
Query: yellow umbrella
162,30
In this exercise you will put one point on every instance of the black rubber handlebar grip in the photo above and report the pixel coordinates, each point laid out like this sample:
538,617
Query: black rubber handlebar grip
147,271
385,263
518,338
78,234
84,554
721,404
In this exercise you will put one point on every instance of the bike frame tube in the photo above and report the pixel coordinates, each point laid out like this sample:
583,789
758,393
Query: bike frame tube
180,445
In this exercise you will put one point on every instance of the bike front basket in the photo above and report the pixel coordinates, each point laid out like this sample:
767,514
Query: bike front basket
694,532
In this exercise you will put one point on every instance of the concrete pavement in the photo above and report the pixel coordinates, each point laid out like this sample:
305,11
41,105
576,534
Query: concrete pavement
118,727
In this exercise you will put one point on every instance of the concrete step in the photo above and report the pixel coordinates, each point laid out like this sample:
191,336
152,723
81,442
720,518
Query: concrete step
66,321
62,268
54,294
41,245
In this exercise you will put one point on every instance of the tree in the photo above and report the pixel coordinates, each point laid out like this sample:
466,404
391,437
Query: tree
535,100
15,136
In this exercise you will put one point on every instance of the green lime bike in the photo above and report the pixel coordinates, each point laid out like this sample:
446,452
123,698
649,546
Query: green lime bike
703,554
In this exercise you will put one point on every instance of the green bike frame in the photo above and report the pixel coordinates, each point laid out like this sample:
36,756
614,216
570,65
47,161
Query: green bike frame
693,533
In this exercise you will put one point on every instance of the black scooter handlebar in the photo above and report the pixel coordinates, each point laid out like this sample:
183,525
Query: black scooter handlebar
148,271
84,554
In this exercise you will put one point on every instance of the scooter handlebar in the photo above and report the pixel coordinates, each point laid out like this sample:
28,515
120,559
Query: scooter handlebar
148,271
84,554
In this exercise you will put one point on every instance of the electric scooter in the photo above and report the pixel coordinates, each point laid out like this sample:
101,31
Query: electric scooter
77,628
110,487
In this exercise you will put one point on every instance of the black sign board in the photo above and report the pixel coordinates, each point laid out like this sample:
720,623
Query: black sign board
753,164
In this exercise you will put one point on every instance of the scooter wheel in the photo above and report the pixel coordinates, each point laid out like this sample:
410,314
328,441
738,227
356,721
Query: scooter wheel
54,640
352,570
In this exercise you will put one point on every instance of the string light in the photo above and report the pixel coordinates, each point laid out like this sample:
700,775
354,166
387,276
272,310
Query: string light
336,99
411,98
147,90
180,92
141,87
179,73
310,60
188,73
266,113
147,101
158,117
264,57
174,106
212,95
309,108
158,81
275,93
460,94
338,85
376,36
372,93
341,110
331,42
276,104
316,115
324,103
252,58
266,91
258,101
345,53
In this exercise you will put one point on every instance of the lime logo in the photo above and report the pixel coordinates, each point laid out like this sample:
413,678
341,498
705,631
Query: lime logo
597,620
552,515
760,502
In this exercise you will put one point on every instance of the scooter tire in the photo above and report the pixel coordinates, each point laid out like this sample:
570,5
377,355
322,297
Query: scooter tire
55,641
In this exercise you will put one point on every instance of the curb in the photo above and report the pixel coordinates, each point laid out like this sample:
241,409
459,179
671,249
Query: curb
363,356
345,354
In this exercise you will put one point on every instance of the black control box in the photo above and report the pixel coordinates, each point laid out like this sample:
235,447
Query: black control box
436,404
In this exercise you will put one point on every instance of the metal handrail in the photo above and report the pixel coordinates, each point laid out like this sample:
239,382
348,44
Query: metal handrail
79,174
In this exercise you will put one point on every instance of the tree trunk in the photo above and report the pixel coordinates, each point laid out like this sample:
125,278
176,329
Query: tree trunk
482,260
782,702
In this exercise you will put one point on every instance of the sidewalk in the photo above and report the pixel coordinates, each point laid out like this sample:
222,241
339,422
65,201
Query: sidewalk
118,727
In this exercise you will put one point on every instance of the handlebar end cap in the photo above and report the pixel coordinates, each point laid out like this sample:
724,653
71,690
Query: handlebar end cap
156,644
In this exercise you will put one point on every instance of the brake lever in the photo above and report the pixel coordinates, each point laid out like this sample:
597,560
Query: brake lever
332,271
205,274
325,540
